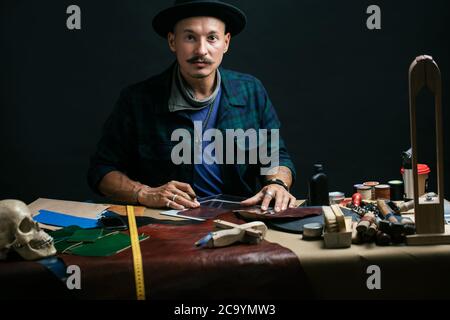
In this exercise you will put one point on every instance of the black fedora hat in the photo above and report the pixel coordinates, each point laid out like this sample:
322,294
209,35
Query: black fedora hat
234,19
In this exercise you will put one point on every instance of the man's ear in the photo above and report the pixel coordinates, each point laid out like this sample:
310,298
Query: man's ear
171,41
227,42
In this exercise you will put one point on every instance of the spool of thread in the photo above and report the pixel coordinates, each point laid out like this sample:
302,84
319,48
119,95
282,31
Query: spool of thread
356,236
363,226
383,191
372,185
397,230
397,190
407,221
408,225
365,192
393,206
406,206
365,222
356,187
372,230
387,213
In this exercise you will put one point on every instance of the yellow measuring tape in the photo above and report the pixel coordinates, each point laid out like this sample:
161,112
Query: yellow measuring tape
137,256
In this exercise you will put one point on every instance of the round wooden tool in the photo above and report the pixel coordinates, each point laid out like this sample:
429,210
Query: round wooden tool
387,213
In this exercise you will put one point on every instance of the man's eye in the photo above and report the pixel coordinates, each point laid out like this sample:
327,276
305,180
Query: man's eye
212,38
190,37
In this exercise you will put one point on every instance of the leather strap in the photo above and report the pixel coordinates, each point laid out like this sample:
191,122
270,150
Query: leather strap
277,181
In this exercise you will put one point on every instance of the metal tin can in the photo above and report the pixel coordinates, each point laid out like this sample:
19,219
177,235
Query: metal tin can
336,197
312,231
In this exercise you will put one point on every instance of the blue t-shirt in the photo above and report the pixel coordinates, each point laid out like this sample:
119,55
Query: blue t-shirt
207,177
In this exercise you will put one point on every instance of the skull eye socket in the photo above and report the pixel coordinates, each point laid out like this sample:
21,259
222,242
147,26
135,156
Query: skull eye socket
26,225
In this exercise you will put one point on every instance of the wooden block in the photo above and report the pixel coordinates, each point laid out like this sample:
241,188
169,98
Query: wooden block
340,219
337,240
429,238
342,239
330,220
429,217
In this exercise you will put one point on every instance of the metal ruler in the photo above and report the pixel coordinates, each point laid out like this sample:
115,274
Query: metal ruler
137,256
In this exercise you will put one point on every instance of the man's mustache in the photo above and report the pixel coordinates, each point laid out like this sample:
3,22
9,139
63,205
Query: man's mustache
199,60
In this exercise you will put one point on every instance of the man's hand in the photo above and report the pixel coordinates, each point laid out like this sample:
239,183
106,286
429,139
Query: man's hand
283,199
175,195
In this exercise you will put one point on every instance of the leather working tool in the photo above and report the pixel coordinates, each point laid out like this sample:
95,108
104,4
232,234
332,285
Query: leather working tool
228,233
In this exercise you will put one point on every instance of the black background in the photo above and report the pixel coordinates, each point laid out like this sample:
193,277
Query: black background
341,90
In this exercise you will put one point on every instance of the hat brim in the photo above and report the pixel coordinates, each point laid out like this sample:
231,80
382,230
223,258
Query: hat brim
234,19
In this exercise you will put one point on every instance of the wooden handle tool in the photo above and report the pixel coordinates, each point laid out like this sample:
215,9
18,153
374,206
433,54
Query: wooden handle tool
386,211
229,233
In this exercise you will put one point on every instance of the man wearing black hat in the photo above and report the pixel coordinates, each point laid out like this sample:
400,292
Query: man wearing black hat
135,160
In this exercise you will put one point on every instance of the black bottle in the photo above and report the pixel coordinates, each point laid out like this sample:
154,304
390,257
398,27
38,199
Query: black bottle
318,188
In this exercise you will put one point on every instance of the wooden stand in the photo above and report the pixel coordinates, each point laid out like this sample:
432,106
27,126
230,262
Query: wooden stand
429,215
341,234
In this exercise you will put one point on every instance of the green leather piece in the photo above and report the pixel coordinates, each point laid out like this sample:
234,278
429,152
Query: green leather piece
86,235
61,236
91,242
105,246
64,233
63,245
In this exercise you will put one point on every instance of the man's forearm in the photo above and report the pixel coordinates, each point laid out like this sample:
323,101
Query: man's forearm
117,186
284,174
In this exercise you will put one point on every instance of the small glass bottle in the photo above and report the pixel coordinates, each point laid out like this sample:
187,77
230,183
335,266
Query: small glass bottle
318,187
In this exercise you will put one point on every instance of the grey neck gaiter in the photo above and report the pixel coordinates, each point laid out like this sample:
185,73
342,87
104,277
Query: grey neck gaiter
182,96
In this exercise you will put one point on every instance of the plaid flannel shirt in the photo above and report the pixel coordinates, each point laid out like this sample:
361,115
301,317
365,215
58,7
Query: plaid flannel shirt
136,137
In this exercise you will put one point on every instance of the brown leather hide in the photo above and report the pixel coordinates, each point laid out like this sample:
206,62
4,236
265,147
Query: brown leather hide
175,269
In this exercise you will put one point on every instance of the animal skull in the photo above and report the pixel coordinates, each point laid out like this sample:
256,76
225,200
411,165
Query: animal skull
20,232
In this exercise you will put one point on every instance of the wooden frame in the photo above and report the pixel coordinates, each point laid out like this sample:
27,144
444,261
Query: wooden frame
429,215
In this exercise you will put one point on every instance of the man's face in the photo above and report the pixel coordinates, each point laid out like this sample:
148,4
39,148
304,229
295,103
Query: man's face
199,44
